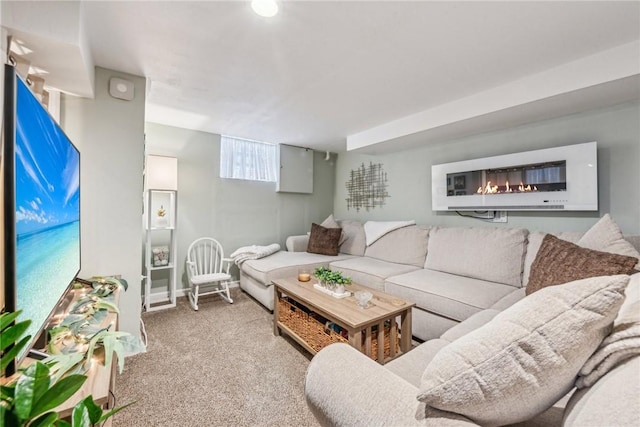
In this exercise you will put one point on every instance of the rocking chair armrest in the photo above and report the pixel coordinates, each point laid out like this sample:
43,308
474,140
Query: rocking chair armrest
190,268
229,261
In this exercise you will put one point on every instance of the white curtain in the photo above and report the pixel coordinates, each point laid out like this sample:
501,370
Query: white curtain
245,159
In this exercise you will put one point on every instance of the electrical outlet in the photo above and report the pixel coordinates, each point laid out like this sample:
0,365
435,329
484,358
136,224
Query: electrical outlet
499,216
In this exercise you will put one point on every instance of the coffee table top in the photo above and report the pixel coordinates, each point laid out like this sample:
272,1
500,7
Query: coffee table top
382,305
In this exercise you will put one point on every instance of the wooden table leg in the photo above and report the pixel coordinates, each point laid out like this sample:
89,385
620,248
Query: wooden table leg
381,342
276,297
367,342
355,338
393,337
405,338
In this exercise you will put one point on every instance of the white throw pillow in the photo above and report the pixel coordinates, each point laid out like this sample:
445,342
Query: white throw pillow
527,357
330,222
606,236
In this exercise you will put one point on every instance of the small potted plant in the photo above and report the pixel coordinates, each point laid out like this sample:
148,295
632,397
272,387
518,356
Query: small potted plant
333,280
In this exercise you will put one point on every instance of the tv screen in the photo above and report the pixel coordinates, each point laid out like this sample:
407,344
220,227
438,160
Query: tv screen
47,211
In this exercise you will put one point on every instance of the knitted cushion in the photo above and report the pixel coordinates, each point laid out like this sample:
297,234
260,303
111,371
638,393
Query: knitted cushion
559,261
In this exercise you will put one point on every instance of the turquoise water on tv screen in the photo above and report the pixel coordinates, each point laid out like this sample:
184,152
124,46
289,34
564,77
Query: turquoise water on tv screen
47,260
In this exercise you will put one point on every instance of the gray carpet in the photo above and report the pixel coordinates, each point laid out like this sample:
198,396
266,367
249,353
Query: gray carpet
220,366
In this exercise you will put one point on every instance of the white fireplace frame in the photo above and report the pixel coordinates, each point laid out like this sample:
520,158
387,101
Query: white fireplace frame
581,176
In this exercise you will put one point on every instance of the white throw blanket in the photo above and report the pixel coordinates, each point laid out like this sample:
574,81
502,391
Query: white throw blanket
244,253
620,345
373,230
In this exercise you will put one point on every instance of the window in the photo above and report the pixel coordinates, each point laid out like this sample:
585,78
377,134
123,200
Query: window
245,159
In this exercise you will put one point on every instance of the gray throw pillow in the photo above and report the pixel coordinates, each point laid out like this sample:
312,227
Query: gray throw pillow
527,357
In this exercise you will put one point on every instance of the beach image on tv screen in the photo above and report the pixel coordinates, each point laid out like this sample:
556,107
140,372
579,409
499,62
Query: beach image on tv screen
47,210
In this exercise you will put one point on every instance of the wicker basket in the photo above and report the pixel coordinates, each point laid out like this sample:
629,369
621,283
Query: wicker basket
308,326
387,343
312,329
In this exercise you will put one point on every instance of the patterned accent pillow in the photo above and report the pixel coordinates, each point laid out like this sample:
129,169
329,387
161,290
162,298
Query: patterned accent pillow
559,261
323,241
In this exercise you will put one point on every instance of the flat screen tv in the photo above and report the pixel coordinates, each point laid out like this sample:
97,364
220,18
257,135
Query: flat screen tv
41,183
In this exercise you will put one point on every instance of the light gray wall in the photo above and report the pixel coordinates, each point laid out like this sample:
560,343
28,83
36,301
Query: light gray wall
110,136
616,129
235,212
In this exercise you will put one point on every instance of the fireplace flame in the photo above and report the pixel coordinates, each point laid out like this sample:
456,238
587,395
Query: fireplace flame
495,189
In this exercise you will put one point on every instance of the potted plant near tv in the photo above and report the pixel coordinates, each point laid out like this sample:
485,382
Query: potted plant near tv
30,397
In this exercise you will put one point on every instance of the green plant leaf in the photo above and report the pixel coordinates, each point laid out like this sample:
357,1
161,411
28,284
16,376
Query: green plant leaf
45,420
12,333
94,411
73,318
99,316
8,417
118,282
115,411
107,305
7,318
7,392
13,353
30,387
60,364
80,416
63,423
60,392
92,344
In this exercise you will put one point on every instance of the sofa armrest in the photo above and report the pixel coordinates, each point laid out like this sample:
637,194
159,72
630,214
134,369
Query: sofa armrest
344,387
297,243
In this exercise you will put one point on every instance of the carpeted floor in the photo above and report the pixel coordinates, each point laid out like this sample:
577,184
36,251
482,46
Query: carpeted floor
220,366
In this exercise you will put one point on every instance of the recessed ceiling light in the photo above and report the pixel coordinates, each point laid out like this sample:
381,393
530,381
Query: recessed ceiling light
266,8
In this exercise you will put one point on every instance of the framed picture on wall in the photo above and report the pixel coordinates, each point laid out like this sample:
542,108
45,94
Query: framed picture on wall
459,182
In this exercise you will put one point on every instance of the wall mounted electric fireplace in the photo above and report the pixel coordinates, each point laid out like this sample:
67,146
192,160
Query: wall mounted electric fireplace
561,178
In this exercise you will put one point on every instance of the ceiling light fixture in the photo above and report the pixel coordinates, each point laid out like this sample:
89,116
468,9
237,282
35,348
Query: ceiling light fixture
266,8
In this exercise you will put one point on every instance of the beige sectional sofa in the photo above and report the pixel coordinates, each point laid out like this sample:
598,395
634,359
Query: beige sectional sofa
451,273
469,288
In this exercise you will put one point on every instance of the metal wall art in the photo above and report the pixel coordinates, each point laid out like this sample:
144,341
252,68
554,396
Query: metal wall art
367,187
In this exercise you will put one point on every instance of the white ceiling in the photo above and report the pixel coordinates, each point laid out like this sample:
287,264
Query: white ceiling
320,72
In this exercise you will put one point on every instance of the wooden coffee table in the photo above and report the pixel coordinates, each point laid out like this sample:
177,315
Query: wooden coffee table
346,313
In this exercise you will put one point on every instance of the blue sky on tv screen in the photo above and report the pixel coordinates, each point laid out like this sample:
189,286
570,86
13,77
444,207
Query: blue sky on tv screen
47,169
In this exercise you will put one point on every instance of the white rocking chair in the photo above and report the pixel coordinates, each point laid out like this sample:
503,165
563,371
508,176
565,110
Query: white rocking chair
205,262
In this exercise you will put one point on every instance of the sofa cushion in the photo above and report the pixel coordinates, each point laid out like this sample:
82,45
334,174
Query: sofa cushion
559,261
605,235
612,401
323,240
370,272
411,365
469,325
354,243
455,297
407,245
285,264
527,357
509,299
492,254
534,240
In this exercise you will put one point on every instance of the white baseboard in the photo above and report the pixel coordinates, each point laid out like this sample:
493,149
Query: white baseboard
158,297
